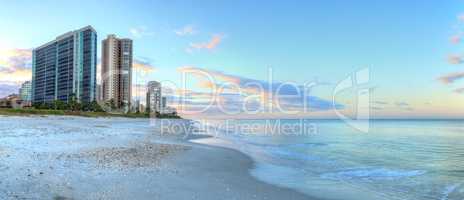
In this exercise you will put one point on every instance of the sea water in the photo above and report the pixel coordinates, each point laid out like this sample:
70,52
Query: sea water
328,159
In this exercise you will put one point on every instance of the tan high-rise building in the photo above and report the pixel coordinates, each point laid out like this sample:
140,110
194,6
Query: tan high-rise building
117,71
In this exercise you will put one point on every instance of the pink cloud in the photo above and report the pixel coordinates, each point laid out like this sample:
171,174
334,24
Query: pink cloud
455,59
216,76
143,66
226,88
15,59
455,39
451,78
15,66
211,44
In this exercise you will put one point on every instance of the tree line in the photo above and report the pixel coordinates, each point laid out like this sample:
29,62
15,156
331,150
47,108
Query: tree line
74,105
71,106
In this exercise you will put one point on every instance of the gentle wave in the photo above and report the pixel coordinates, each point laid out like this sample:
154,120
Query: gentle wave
372,174
291,155
297,145
449,189
396,160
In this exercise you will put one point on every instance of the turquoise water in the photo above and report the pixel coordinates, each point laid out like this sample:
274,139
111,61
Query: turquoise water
396,159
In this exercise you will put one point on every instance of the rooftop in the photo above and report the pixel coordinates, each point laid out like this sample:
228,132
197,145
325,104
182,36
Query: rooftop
65,35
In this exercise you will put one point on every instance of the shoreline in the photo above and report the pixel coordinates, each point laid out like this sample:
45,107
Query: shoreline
104,160
236,166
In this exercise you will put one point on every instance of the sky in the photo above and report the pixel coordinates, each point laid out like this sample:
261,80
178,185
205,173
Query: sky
239,58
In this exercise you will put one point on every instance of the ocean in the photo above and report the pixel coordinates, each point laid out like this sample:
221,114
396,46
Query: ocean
328,159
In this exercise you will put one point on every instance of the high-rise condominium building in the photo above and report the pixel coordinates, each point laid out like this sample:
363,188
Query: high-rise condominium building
25,92
163,102
117,70
65,68
154,96
98,93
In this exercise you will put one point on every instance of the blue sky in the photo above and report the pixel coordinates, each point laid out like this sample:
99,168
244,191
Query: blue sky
405,44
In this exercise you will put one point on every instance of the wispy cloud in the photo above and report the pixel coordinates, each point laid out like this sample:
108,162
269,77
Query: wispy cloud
394,106
380,102
7,89
459,90
378,105
460,17
456,39
140,31
143,66
455,59
186,30
239,93
401,104
215,40
15,59
404,106
451,78
139,92
15,66
376,108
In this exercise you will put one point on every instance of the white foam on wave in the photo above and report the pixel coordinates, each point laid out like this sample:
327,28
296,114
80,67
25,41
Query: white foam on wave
373,174
448,190
307,145
287,154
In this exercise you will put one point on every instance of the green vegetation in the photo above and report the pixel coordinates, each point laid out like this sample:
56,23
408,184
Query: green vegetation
167,116
34,111
74,108
29,111
163,116
73,105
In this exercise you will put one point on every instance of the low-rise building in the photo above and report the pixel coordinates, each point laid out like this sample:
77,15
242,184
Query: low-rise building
169,110
25,92
12,101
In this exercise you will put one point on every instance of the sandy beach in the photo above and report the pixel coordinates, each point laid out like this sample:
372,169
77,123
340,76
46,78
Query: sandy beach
101,158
